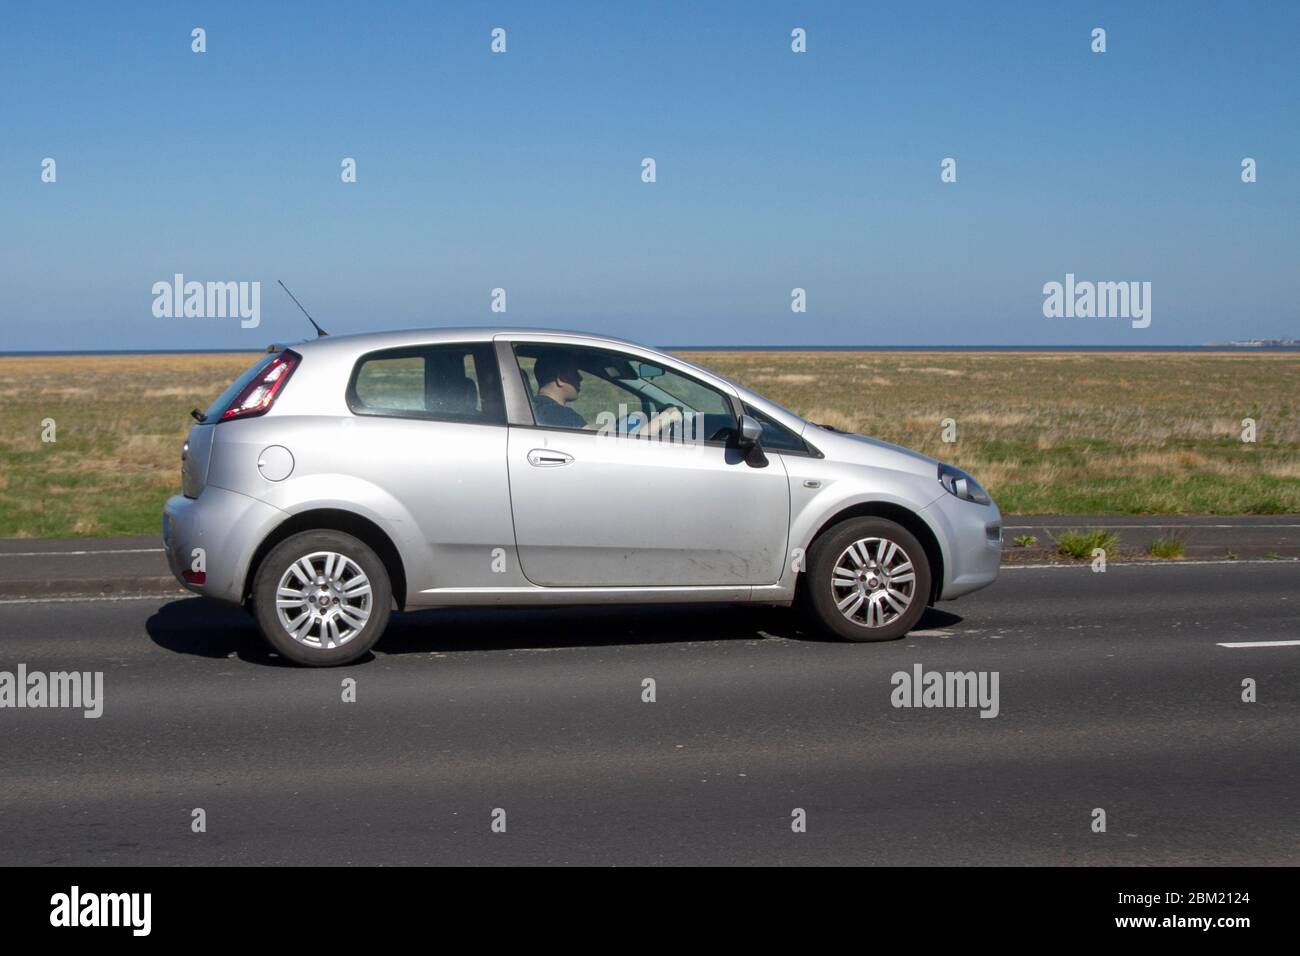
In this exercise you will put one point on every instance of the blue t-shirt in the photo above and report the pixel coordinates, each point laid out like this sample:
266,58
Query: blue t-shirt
548,411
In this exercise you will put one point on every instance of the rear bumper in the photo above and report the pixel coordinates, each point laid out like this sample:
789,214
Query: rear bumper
217,532
971,536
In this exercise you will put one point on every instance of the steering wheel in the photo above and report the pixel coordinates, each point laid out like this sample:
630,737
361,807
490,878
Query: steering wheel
634,422
672,431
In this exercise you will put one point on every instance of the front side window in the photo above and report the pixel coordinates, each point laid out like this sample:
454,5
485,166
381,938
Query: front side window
457,383
618,394
776,437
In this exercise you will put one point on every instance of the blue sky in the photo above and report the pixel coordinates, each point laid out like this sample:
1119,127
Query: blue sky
775,170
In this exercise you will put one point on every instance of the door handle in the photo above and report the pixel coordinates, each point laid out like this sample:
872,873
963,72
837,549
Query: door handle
546,458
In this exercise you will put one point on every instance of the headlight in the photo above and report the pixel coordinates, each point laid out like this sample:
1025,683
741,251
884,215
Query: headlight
957,482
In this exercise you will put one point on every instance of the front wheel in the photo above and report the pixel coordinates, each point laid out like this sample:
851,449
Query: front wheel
868,580
322,598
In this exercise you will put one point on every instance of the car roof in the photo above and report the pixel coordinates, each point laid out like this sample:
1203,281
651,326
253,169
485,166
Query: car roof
367,341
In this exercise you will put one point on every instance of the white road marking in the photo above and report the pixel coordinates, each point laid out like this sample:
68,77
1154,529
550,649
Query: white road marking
46,554
1261,644
90,598
1150,564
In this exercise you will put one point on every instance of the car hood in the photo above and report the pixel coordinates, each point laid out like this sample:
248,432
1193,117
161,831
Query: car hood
864,450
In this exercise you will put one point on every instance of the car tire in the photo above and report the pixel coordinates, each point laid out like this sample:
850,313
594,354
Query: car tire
858,574
347,598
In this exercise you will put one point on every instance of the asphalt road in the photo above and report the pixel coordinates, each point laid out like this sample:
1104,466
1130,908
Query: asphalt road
1113,693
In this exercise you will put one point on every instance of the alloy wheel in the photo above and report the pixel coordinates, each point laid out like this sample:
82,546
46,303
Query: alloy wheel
873,582
323,600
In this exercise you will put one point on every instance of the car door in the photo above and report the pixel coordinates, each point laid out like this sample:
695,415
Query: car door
595,506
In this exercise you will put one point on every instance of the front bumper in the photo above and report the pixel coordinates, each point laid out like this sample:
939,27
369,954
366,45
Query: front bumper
971,538
218,531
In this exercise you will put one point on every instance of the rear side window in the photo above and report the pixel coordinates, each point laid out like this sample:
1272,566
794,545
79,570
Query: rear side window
454,383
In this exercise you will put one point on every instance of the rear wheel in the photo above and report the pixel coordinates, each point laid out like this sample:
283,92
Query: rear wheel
322,598
868,580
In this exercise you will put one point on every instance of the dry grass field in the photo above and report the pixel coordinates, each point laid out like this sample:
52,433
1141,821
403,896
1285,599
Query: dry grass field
1065,433
119,424
1046,432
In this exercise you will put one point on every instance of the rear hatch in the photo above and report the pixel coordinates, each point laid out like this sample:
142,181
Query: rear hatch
250,395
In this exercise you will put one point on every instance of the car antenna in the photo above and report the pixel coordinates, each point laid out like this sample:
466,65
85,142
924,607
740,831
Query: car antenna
320,333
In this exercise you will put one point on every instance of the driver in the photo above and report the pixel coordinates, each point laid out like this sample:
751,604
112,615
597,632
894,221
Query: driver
559,382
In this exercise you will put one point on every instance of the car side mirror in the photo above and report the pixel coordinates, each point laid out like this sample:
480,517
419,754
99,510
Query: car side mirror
751,432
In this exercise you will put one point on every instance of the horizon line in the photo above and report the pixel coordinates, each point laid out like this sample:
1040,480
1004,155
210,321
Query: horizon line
1206,347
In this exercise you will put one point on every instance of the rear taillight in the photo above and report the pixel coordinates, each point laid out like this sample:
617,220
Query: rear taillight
258,395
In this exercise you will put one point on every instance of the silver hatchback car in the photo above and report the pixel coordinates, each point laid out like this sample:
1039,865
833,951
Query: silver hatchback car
347,477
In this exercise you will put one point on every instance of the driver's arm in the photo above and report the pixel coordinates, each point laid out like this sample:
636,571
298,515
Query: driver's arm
660,422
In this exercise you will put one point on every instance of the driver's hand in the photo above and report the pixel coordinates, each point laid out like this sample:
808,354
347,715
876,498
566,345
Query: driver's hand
665,418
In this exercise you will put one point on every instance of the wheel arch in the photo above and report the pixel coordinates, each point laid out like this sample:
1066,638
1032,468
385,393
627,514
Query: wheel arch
335,519
901,515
